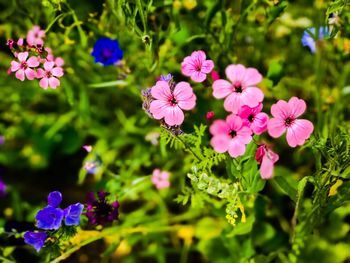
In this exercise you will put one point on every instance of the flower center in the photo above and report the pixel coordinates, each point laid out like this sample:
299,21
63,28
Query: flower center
106,53
173,101
24,65
48,74
251,118
233,134
238,87
289,121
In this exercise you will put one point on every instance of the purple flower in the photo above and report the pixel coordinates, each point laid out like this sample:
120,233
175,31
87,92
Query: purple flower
49,218
2,188
35,239
308,40
72,214
2,139
167,78
107,51
99,211
54,199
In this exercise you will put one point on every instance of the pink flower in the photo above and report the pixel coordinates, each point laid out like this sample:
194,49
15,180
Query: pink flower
35,36
230,135
285,118
87,148
196,66
160,179
215,75
168,103
210,115
241,90
254,118
267,158
24,67
49,76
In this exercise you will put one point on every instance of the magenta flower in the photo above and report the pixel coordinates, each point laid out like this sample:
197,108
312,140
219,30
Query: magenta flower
24,67
285,118
241,90
230,135
160,179
210,115
254,118
267,158
49,75
35,36
215,75
168,103
196,66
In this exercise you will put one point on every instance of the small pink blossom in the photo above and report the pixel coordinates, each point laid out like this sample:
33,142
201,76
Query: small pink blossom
87,148
210,115
160,179
215,75
35,36
49,75
24,67
241,90
168,103
230,135
285,118
267,158
196,66
254,118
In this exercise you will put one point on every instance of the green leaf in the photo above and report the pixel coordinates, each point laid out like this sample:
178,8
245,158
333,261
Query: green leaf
286,187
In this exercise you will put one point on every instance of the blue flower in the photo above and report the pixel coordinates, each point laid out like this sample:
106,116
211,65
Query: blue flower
308,40
107,51
54,199
49,218
72,214
35,239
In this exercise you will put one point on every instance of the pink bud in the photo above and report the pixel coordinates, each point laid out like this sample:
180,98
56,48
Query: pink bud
210,115
215,75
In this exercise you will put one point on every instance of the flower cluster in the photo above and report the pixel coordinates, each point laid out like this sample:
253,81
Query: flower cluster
242,99
160,179
34,61
99,211
51,218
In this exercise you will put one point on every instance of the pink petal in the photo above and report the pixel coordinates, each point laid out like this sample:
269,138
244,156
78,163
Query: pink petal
252,77
219,127
244,135
252,96
297,106
158,108
276,127
234,122
54,82
232,103
266,168
59,62
236,148
22,56
161,90
259,124
156,172
198,76
235,72
40,73
188,104
207,66
48,65
15,66
187,68
220,142
33,62
245,111
299,132
44,83
57,72
174,116
30,73
221,88
20,74
281,110
198,56
183,91
164,175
